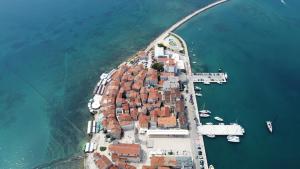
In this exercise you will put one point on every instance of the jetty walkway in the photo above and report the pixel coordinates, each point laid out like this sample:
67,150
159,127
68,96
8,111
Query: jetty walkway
208,78
221,130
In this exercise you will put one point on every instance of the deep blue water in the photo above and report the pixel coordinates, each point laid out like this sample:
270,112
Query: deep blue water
257,43
51,53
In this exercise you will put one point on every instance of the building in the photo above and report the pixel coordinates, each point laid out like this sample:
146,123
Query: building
171,83
126,152
177,162
143,121
101,161
164,112
159,51
167,122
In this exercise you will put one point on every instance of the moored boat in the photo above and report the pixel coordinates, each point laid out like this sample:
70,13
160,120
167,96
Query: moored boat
211,167
233,139
269,125
211,136
198,94
198,88
218,118
205,111
204,115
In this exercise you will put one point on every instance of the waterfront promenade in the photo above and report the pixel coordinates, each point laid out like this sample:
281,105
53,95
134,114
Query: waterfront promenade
193,113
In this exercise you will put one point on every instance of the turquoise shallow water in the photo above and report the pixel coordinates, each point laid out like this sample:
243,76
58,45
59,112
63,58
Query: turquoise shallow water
257,43
51,53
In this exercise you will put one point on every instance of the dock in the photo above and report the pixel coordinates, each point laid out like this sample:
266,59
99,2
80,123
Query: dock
221,130
208,78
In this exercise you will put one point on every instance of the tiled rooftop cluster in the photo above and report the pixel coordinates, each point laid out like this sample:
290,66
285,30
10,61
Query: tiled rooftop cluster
134,94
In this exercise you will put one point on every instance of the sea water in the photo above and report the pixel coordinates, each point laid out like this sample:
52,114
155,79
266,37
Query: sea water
257,43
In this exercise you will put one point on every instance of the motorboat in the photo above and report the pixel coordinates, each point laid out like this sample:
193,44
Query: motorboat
210,135
218,118
206,82
205,111
198,94
204,115
197,88
233,139
221,124
209,123
211,167
269,125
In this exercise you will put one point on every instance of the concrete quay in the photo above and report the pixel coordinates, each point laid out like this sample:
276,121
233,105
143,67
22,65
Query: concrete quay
221,130
208,78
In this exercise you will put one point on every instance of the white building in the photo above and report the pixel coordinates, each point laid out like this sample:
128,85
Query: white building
159,51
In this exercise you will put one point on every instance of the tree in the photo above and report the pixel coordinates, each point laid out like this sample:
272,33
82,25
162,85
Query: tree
158,66
102,148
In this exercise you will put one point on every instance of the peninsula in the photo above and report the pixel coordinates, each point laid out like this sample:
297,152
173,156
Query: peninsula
145,112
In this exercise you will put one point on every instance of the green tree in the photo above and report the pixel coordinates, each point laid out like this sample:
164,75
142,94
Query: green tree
158,66
102,148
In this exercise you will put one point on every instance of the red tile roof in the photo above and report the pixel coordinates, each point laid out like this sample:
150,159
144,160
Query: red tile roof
167,121
125,150
165,112
102,161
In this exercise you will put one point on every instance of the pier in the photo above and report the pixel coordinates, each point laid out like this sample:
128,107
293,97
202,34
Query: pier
208,78
221,130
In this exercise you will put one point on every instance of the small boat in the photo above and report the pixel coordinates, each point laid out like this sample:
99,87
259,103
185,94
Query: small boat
194,62
205,111
269,125
204,115
221,124
211,136
209,123
197,88
198,94
218,118
206,82
211,167
233,139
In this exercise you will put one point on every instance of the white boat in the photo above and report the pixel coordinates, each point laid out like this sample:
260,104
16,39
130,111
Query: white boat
211,136
204,115
198,94
218,118
209,123
226,76
211,167
194,62
206,82
233,139
221,124
205,111
269,125
197,88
